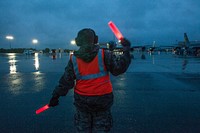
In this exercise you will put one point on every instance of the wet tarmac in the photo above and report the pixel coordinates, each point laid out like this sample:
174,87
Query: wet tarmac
158,94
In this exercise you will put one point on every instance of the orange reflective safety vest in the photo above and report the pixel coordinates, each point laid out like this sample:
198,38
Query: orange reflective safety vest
92,78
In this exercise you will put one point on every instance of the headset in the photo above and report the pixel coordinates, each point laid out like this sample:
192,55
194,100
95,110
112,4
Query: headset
84,36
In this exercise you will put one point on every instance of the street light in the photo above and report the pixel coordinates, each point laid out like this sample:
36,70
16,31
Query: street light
73,42
35,41
10,38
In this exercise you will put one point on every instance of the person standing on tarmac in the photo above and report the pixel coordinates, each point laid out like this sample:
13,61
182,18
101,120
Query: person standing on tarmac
88,73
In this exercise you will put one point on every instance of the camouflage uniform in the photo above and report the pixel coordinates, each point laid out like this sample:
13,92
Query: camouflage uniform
92,122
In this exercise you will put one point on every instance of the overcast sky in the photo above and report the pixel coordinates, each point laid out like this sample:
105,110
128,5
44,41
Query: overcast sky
56,22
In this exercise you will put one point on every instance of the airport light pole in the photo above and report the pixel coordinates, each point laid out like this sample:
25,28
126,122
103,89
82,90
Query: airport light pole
35,41
10,38
73,42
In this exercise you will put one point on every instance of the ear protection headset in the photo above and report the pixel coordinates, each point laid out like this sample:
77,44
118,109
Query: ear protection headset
86,35
95,36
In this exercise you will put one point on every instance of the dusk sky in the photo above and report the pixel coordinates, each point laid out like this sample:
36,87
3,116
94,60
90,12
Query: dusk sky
56,22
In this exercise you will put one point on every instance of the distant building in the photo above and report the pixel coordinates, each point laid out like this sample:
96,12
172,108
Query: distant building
192,43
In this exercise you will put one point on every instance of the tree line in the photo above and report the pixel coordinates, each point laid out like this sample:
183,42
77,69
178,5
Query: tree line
21,50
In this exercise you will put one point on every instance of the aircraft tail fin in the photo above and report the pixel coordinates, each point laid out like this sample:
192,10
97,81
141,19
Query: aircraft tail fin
186,40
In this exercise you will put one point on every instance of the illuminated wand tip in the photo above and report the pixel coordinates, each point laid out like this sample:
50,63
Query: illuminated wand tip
40,110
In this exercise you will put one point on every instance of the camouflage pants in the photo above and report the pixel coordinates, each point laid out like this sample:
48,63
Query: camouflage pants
93,122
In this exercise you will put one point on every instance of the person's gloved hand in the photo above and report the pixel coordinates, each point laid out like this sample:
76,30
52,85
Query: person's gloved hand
54,102
126,44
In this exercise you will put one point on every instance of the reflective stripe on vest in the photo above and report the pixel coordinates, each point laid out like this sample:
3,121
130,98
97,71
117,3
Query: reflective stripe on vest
101,73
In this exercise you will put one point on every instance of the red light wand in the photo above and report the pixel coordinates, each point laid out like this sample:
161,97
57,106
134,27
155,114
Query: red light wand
115,30
40,110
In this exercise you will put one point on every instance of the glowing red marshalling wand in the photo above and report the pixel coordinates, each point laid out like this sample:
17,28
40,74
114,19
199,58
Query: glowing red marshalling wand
40,110
115,30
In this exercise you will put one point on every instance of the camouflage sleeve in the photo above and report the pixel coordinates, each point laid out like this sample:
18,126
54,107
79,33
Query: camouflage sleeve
66,81
117,64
